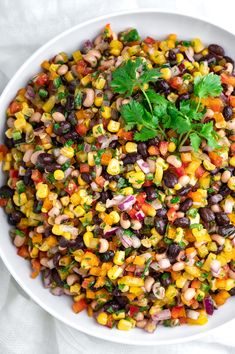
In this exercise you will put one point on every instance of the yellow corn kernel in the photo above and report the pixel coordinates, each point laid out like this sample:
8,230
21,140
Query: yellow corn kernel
75,288
192,270
49,104
124,325
19,199
56,230
115,216
166,73
114,272
113,126
171,292
131,281
90,159
177,186
99,100
202,319
204,69
131,147
158,174
127,191
99,83
20,123
231,183
6,166
180,282
87,237
179,57
34,252
86,80
118,316
106,112
136,290
197,45
113,167
98,130
202,251
171,146
205,52
42,190
78,255
75,199
77,55
201,235
100,207
67,151
136,178
115,47
158,57
102,318
79,211
69,76
119,257
59,175
81,182
232,161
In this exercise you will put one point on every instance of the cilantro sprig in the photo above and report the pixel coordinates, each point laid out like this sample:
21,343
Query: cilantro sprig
153,114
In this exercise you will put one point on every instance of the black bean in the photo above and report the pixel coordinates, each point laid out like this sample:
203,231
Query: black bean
14,217
232,291
96,220
171,56
224,190
184,190
114,144
142,149
214,172
207,214
131,158
45,159
72,85
216,49
6,192
48,231
170,179
52,167
161,86
186,205
37,206
222,219
161,213
173,251
228,113
121,300
106,256
61,128
56,259
166,279
56,277
104,195
151,193
9,142
69,106
226,230
183,222
210,58
111,305
27,177
219,249
183,97
72,118
215,199
154,141
160,225
86,177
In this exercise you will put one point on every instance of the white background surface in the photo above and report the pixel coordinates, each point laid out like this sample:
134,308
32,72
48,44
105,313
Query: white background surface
24,26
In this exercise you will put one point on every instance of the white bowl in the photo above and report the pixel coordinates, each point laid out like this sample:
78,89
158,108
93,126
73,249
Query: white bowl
149,22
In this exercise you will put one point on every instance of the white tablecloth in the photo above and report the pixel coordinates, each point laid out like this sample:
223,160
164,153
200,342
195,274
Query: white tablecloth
24,26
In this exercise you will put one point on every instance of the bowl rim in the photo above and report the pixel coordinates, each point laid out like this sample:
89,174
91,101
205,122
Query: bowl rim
7,262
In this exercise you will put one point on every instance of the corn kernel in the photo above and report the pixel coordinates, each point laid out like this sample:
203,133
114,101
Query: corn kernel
20,123
87,237
166,73
42,190
69,76
131,147
231,183
127,191
179,57
158,174
114,272
100,207
113,126
98,100
158,57
75,288
197,45
99,83
102,318
59,175
77,55
131,281
119,257
56,230
232,161
67,151
79,211
20,199
49,104
106,112
171,146
113,167
75,199
86,80
118,316
136,178
124,325
115,216
115,47
98,130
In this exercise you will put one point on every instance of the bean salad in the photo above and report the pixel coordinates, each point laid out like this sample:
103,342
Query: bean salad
120,189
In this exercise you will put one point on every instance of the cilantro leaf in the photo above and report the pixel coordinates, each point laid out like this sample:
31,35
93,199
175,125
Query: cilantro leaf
145,134
207,86
195,141
189,109
130,36
178,121
132,113
207,132
150,75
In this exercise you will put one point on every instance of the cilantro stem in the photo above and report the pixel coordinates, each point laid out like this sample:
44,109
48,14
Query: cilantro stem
185,138
147,99
198,104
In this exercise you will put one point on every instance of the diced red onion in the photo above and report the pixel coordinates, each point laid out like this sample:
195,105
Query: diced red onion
191,262
87,147
144,166
155,266
94,187
80,271
224,98
57,291
161,316
115,201
164,263
228,206
135,241
156,204
140,215
68,172
197,57
192,314
209,305
105,143
231,274
215,266
50,264
47,278
189,55
127,203
185,148
175,71
111,232
126,241
29,94
98,170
